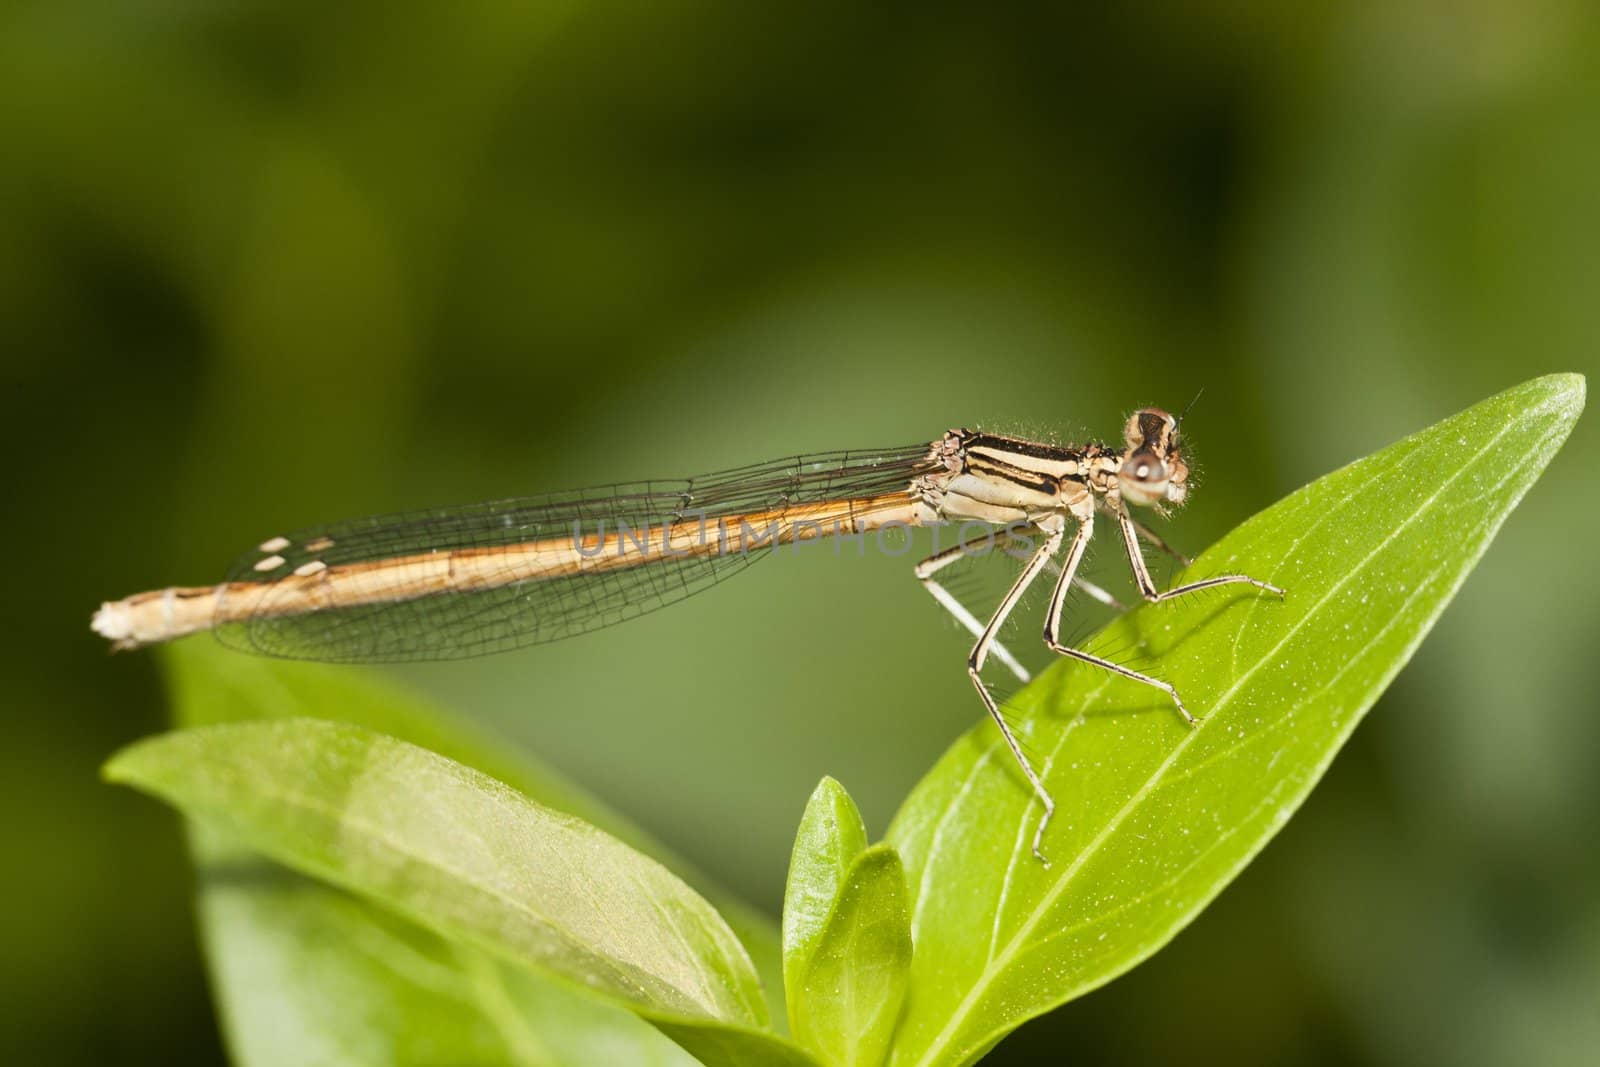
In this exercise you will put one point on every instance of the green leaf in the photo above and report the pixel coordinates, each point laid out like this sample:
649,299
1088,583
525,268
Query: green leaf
473,860
831,835
854,980
1153,817
211,684
308,974
279,946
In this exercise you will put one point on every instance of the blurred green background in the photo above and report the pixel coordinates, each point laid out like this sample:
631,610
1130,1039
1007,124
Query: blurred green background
264,265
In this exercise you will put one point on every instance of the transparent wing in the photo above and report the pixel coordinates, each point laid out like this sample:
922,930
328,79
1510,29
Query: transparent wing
467,581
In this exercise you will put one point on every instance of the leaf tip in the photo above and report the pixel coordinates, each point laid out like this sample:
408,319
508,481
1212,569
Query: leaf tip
1566,393
1578,386
830,806
137,765
121,768
880,857
829,786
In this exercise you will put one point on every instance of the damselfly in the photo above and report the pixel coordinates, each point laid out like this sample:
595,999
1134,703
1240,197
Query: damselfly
465,581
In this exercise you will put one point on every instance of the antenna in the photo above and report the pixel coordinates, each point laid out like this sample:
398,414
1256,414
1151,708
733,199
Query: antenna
1188,409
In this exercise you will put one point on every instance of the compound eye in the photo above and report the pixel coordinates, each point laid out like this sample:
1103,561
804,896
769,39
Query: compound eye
1147,469
1143,478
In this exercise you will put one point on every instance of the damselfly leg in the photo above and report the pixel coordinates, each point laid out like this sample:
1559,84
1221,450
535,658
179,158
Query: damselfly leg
1052,628
1054,529
1052,632
1147,588
930,567
1150,536
1016,548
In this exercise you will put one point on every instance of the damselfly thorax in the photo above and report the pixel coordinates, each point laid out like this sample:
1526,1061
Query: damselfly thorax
466,581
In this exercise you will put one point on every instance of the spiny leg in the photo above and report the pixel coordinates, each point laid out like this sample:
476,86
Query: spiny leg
938,562
980,652
1095,592
1154,539
1052,625
1147,588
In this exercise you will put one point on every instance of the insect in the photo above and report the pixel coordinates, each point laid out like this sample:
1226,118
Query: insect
481,578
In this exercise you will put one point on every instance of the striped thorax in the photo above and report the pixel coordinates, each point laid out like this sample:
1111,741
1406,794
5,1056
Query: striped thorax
1010,481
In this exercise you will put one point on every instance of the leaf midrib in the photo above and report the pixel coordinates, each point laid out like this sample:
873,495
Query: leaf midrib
1047,901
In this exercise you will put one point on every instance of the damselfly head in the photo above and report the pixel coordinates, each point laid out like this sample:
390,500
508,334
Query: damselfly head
1153,471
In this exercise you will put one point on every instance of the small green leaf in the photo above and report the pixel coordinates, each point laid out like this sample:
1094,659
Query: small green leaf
1154,818
473,860
854,980
831,835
